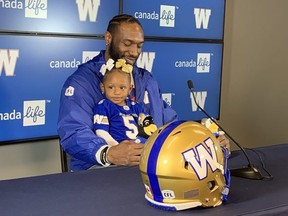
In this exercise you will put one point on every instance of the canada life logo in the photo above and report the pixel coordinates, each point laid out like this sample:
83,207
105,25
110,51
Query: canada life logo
36,9
167,16
167,97
33,8
203,62
8,60
34,112
88,8
88,55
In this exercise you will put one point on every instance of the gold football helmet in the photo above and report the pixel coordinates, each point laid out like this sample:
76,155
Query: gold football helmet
183,166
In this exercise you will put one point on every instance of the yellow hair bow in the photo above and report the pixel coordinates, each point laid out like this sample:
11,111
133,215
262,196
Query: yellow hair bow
121,63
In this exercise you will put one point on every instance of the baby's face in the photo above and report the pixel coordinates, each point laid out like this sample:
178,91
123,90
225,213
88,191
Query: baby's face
117,87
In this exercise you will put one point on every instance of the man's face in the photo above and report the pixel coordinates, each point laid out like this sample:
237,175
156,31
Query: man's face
127,43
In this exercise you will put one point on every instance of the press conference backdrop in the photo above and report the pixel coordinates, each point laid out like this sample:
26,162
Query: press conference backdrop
42,43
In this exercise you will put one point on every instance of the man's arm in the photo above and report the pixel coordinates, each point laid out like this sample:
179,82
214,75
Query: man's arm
75,121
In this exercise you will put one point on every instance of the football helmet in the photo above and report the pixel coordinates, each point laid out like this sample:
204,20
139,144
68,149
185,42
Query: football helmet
183,166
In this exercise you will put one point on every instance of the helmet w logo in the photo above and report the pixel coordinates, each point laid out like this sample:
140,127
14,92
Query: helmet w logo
200,157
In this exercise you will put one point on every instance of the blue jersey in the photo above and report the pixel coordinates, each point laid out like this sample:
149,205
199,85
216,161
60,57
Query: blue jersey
81,92
121,122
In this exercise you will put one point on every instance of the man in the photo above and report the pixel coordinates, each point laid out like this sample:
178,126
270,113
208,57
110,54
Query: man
81,92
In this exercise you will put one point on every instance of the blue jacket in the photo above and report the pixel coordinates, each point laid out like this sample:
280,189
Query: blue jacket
81,92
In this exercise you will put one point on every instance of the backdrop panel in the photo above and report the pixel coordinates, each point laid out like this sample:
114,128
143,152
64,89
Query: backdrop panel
201,19
32,72
65,16
173,63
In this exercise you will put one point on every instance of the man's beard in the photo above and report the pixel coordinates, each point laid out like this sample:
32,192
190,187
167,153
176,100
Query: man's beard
114,53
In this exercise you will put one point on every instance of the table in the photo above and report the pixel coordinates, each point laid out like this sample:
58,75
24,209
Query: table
118,191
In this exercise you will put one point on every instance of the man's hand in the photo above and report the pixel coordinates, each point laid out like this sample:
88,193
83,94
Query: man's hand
126,153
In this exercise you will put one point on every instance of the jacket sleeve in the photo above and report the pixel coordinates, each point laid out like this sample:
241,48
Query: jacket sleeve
169,114
75,123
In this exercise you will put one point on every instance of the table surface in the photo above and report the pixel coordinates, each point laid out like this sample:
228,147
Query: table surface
119,191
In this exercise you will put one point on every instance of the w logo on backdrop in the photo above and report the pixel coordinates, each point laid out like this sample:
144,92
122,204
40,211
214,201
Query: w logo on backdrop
202,17
200,97
146,60
8,60
88,8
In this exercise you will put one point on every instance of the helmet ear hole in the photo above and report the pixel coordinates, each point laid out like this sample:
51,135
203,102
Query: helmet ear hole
211,185
186,164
